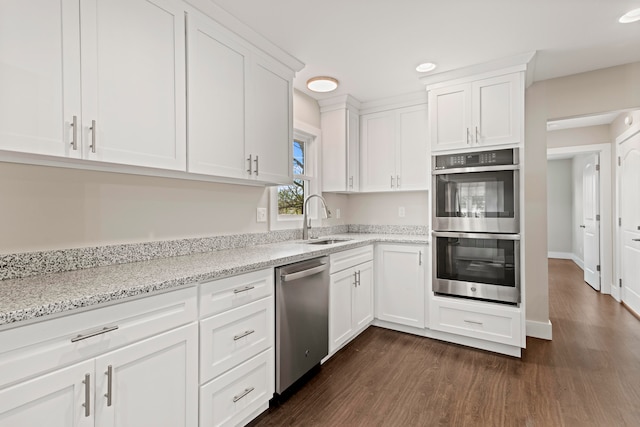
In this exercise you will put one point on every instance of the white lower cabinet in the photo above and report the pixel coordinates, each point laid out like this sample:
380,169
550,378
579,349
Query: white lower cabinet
400,284
59,373
350,295
476,319
237,356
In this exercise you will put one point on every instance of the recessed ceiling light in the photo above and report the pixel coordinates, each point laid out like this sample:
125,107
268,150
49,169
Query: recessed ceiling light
322,84
426,67
631,16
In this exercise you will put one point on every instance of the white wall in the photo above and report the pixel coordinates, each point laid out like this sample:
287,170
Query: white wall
560,206
587,135
382,208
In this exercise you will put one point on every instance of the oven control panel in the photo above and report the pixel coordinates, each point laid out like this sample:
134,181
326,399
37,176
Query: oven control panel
476,159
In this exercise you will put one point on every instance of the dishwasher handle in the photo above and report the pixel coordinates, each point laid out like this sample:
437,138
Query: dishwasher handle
304,273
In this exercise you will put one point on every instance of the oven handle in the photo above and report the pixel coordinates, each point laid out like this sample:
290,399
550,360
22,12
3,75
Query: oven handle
476,169
486,236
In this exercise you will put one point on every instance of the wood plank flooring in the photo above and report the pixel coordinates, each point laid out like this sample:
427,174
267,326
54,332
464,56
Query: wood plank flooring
589,375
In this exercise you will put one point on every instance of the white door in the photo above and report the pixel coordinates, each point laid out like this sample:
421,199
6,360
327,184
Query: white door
401,284
378,152
341,307
39,76
363,298
590,221
450,117
217,67
153,382
497,110
133,82
269,123
411,155
53,400
629,152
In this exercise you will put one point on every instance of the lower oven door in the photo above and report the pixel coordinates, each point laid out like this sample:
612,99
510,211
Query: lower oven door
477,265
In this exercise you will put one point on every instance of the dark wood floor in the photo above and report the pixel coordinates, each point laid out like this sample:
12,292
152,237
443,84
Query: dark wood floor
589,375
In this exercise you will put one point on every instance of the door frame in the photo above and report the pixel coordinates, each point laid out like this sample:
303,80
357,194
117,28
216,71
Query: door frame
606,206
629,133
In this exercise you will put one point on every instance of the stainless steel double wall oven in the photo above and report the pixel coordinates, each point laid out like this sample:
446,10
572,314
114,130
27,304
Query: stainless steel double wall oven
476,223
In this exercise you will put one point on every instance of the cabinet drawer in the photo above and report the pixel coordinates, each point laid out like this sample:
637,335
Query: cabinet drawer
217,296
230,338
477,320
345,259
47,345
234,396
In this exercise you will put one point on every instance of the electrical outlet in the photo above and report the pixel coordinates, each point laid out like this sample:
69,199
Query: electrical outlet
337,212
401,211
261,215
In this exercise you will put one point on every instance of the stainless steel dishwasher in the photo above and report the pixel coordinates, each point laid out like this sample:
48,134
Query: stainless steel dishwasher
302,319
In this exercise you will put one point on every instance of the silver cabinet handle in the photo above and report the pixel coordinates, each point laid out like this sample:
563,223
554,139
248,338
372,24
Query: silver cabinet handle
467,135
257,165
104,330
109,393
87,395
583,226
350,182
391,181
635,240
477,135
250,161
358,277
243,394
93,130
420,258
242,335
245,289
473,322
74,138
355,278
397,181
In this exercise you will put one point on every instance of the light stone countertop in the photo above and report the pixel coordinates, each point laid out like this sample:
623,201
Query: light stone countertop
27,299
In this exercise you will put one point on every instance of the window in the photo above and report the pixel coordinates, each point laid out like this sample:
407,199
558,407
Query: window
287,201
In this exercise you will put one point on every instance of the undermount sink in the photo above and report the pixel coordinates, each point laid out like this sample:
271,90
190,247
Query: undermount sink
325,241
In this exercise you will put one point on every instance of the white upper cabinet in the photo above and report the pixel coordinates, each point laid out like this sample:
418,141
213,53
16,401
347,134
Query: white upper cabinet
340,148
133,82
394,153
40,76
217,65
483,112
240,107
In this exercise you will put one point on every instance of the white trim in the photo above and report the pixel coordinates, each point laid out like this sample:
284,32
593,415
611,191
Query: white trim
580,263
607,206
542,330
395,102
560,255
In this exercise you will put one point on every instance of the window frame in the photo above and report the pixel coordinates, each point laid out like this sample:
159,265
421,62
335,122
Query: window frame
310,136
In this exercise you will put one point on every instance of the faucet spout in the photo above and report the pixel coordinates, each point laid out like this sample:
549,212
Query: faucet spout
305,222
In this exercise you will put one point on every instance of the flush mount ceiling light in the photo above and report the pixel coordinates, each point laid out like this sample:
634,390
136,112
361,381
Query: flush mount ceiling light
426,67
631,16
322,84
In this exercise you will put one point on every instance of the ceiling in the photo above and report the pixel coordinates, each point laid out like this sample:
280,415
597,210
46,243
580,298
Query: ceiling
373,46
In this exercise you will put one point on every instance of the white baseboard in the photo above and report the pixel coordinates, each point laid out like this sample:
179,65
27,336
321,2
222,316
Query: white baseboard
578,261
560,255
542,330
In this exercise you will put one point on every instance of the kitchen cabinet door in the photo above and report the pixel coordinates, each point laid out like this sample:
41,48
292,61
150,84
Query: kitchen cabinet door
450,117
153,382
268,147
341,327
217,68
40,76
378,151
56,399
400,285
133,82
363,296
340,150
497,110
412,167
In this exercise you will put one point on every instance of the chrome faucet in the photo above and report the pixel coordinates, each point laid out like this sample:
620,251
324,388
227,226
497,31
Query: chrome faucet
306,223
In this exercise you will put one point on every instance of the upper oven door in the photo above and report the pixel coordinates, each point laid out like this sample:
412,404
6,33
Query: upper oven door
480,199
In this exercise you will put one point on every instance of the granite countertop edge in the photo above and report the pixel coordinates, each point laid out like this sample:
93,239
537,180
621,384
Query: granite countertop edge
37,297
